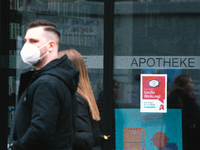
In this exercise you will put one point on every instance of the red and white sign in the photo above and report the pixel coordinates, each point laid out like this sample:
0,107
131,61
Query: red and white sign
153,93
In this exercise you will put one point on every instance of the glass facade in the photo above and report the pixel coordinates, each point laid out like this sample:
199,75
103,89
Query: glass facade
81,25
120,42
156,38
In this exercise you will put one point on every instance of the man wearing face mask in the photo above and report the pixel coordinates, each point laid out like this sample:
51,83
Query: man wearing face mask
44,117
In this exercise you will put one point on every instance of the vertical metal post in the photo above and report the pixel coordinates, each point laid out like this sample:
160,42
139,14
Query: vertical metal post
4,43
108,110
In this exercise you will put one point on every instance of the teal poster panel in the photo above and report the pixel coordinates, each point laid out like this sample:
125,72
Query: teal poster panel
148,131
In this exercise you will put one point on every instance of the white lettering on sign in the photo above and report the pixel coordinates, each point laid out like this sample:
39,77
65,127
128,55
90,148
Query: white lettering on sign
145,62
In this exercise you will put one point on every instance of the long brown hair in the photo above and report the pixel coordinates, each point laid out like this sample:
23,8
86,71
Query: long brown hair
84,86
179,82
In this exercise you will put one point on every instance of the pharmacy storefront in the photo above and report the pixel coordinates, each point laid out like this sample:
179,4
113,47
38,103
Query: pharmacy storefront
143,60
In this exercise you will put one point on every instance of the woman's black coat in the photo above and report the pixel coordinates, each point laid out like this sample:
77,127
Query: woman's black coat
87,135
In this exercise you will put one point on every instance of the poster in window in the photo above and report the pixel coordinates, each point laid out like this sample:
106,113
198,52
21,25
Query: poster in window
153,93
148,131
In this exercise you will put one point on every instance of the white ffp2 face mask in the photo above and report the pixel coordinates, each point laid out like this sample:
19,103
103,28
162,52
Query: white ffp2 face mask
31,54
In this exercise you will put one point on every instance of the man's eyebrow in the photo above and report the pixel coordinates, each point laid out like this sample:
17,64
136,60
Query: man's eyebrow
31,39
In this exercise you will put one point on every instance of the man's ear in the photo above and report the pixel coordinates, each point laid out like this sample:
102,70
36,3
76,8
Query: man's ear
52,45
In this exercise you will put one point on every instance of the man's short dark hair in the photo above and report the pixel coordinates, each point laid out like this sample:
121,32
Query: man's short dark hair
42,22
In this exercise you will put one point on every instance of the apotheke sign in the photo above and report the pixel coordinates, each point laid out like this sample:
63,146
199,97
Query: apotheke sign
143,62
172,62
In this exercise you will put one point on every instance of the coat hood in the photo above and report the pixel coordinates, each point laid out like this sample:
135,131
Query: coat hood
61,68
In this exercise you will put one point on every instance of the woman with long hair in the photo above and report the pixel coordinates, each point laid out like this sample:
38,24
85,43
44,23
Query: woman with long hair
182,90
87,135
181,96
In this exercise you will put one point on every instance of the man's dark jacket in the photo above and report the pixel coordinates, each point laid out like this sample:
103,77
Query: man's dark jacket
46,110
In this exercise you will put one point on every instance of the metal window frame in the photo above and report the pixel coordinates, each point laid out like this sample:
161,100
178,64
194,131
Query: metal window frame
4,69
108,102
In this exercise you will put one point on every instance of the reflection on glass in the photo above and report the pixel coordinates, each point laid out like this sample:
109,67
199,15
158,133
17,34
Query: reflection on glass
81,26
156,37
181,96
